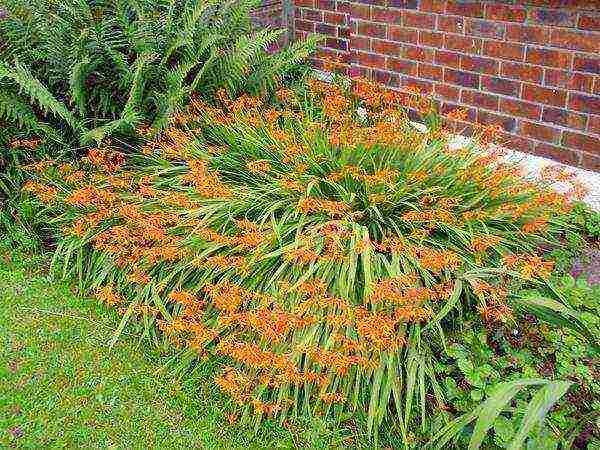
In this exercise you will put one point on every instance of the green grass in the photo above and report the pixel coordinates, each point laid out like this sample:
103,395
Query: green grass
61,386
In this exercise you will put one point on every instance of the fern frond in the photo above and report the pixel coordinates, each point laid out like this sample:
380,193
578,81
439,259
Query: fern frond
28,84
14,110
77,79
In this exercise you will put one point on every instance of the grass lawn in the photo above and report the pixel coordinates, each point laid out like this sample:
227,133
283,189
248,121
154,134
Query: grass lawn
61,386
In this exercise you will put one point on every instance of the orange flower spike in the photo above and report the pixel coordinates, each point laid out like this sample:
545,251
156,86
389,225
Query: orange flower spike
301,255
139,277
46,194
537,225
108,296
260,167
483,243
332,397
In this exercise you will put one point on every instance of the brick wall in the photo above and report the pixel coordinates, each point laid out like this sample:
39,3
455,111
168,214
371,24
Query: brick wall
272,14
531,66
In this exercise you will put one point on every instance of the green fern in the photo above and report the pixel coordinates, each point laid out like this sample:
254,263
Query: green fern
29,85
78,59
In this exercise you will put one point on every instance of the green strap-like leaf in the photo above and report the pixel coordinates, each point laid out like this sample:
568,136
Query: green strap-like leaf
537,409
493,406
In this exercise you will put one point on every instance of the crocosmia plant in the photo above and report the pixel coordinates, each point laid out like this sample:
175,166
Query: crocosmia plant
317,243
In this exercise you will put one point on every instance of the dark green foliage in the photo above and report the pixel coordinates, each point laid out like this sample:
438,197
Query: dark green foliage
99,68
479,358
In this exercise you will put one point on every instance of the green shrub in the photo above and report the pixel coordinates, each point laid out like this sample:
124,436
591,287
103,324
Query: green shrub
480,357
325,256
102,68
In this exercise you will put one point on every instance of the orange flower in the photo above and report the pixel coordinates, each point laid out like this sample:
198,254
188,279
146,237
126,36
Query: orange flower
312,205
108,296
259,167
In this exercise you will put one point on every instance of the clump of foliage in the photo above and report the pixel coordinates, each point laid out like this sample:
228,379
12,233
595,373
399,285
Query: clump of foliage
323,249
100,68
482,355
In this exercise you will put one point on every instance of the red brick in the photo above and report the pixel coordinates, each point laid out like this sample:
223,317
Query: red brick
504,50
401,34
370,60
451,24
430,71
327,5
434,6
523,72
569,80
387,78
386,15
589,104
485,28
508,13
419,20
461,8
594,125
464,44
479,64
431,39
334,18
418,53
386,47
556,17
480,99
326,29
305,3
518,108
405,4
403,66
590,161
344,7
560,154
549,58
360,11
584,142
447,91
372,29
425,86
312,14
589,22
564,118
501,86
449,59
360,43
515,142
538,94
540,132
508,124
586,64
527,34
363,72
338,44
460,78
304,25
585,41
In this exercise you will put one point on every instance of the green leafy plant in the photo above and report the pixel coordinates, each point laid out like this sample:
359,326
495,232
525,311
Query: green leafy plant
101,68
487,414
327,258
